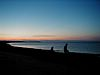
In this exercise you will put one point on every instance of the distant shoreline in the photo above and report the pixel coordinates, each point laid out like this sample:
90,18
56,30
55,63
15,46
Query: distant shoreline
76,41
17,41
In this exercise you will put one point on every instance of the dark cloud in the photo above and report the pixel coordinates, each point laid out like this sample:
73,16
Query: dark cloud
43,35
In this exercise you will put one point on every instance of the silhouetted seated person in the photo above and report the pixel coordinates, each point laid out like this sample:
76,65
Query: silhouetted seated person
65,49
52,49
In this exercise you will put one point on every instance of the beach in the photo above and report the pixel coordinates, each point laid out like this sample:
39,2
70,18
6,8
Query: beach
29,61
91,47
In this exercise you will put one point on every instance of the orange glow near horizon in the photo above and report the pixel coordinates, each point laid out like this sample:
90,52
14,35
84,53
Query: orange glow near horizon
51,38
33,38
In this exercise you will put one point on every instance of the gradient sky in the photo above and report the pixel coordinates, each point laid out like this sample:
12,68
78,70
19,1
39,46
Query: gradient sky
49,20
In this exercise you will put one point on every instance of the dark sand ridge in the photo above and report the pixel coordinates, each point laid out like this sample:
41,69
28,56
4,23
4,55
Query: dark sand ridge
17,60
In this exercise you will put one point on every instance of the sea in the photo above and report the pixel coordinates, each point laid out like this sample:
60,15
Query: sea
92,47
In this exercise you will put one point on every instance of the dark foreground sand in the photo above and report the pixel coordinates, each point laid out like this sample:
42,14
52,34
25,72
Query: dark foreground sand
17,60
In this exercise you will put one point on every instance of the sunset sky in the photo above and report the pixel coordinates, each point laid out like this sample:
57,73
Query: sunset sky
50,20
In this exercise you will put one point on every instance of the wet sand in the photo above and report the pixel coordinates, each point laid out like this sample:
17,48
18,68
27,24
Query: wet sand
17,60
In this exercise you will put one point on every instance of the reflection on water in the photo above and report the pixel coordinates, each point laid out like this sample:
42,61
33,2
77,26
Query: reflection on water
81,47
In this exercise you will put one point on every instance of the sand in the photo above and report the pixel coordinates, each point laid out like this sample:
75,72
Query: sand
17,60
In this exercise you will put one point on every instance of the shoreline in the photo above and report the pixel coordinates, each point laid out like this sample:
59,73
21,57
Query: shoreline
42,62
82,47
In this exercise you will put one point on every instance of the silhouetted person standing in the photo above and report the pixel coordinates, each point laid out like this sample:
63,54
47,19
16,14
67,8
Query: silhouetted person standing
65,49
52,49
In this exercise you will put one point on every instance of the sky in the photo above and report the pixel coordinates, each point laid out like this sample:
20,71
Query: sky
50,20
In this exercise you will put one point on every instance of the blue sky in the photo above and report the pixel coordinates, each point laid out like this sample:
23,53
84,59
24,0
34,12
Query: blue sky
66,19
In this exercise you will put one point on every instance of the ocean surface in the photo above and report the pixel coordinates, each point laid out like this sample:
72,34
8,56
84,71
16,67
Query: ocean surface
80,47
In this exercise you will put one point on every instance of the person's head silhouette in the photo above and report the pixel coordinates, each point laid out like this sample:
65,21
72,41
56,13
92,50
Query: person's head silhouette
66,44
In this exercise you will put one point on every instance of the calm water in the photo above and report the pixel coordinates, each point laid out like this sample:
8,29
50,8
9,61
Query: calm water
82,47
